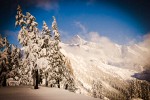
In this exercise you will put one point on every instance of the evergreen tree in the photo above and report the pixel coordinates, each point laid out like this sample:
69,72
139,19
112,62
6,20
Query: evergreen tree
58,74
42,52
15,63
46,30
55,29
19,17
9,61
97,89
5,62
28,37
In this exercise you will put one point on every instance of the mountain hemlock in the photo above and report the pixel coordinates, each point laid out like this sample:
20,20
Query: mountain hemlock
42,52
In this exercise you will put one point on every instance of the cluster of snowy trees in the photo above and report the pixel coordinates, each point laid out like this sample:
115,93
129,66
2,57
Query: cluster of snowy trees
97,89
139,89
9,61
41,52
134,89
115,88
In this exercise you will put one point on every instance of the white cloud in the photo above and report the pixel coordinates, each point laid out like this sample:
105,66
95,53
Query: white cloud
82,27
137,52
95,37
64,35
146,44
90,2
146,41
12,37
12,34
47,4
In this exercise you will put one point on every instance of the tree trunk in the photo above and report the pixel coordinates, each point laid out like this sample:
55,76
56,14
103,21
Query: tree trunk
46,82
58,84
36,79
4,81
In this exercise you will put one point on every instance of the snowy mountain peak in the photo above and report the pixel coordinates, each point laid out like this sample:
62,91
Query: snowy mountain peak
77,40
78,36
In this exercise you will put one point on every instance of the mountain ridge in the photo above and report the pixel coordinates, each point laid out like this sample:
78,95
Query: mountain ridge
91,62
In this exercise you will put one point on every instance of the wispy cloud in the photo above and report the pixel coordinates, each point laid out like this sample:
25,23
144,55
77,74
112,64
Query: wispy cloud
136,52
12,36
8,33
82,27
64,36
90,2
47,4
146,41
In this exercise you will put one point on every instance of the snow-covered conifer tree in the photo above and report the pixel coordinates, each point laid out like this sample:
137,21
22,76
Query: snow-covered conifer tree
28,37
3,56
9,61
46,30
58,74
19,17
43,61
15,63
55,29
43,52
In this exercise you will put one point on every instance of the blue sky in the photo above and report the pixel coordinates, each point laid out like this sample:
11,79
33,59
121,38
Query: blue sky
120,21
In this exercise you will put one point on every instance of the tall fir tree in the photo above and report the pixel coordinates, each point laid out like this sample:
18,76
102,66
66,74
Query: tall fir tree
28,36
59,75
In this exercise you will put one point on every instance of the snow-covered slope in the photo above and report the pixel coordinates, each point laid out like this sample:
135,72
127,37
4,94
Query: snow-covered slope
97,62
43,93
